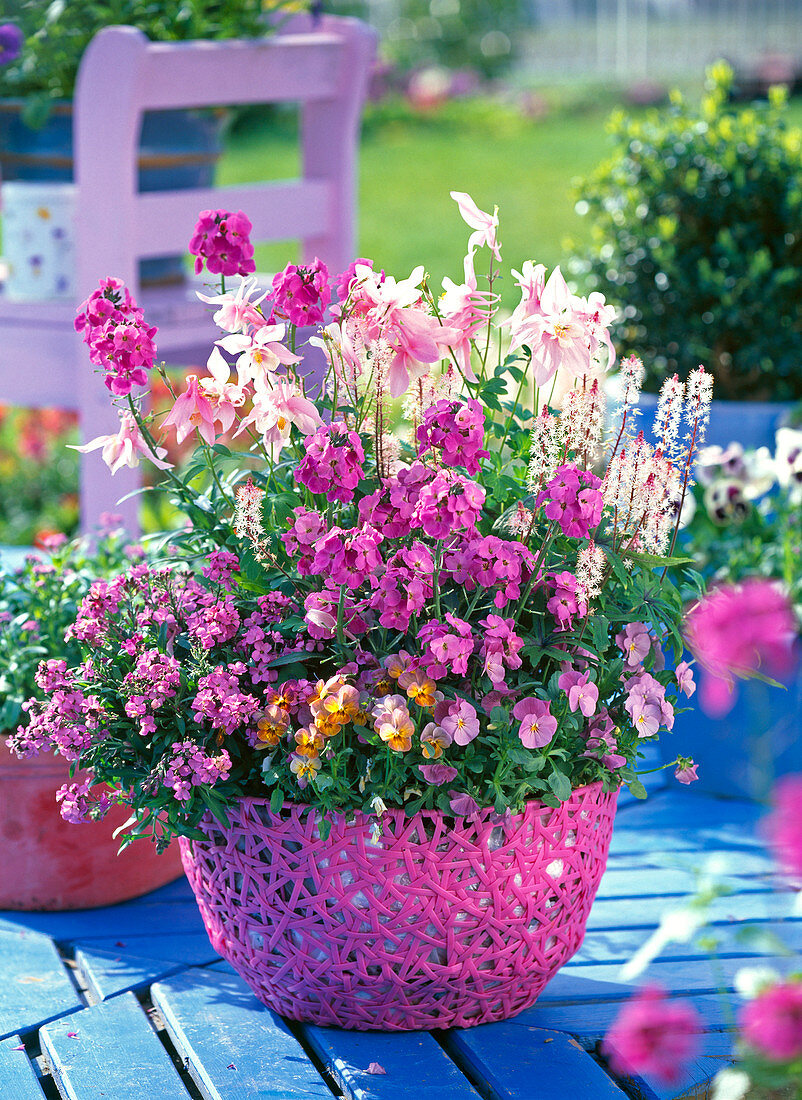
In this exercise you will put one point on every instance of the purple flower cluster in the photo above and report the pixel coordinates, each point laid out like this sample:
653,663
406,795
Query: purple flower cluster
78,804
221,702
573,499
333,462
449,504
190,767
647,706
457,430
301,294
222,239
119,341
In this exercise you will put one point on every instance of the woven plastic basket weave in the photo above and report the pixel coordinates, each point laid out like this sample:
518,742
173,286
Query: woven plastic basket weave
441,922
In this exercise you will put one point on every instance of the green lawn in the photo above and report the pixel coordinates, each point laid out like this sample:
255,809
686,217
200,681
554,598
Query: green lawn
409,164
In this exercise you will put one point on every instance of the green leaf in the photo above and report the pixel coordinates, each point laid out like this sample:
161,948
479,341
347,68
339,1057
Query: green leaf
560,785
323,782
637,789
656,559
276,800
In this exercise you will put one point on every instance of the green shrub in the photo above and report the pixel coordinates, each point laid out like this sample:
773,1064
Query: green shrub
697,218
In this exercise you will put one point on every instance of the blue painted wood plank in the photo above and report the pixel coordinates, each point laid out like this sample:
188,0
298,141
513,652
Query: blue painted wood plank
110,1051
35,985
18,1080
679,808
589,1022
619,945
233,1046
416,1065
646,913
668,882
715,1053
107,975
510,1060
110,967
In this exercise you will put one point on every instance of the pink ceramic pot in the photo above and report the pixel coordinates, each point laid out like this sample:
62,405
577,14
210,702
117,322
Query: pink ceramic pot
440,922
46,863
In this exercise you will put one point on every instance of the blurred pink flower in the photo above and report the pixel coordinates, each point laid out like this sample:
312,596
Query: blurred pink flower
771,1023
783,826
736,630
653,1035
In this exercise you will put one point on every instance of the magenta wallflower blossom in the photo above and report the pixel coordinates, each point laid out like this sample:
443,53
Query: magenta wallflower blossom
448,504
538,726
342,283
301,294
333,461
574,500
11,40
653,1035
784,824
736,630
771,1023
456,429
119,340
583,695
78,804
222,240
567,602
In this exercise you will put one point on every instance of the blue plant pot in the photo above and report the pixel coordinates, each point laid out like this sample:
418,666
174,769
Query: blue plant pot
743,753
752,423
178,150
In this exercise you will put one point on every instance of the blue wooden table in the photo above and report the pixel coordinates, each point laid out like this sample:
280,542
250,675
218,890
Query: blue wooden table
131,1001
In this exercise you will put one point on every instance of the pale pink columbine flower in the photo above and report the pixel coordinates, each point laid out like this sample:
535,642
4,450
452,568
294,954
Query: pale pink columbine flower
555,332
484,225
653,1035
771,1023
338,346
467,309
276,409
124,448
192,412
223,395
597,316
236,311
259,352
538,726
582,693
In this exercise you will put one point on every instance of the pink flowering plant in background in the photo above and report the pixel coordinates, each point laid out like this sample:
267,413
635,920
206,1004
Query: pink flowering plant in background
431,577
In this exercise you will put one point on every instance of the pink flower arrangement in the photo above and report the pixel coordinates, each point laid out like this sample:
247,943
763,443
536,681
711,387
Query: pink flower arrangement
453,610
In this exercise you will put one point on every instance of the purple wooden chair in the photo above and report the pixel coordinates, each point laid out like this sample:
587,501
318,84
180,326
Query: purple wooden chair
323,66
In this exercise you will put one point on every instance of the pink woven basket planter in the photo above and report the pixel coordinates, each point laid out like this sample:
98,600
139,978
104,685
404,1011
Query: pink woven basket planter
441,922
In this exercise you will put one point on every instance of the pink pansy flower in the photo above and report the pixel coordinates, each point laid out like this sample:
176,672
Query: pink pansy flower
783,826
484,225
437,774
771,1023
461,723
653,1035
686,771
192,412
685,680
583,695
236,311
259,352
462,805
538,726
635,643
124,448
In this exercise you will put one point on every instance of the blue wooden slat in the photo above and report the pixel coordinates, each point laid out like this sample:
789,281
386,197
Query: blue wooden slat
234,1047
416,1065
517,1063
666,882
646,913
18,1080
619,945
36,986
110,1051
679,808
109,968
591,1021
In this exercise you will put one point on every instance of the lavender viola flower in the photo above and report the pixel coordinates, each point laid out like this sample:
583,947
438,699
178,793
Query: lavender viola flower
11,41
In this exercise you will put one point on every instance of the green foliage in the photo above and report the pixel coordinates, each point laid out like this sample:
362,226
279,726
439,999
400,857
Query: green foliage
58,31
474,34
37,603
696,220
38,474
